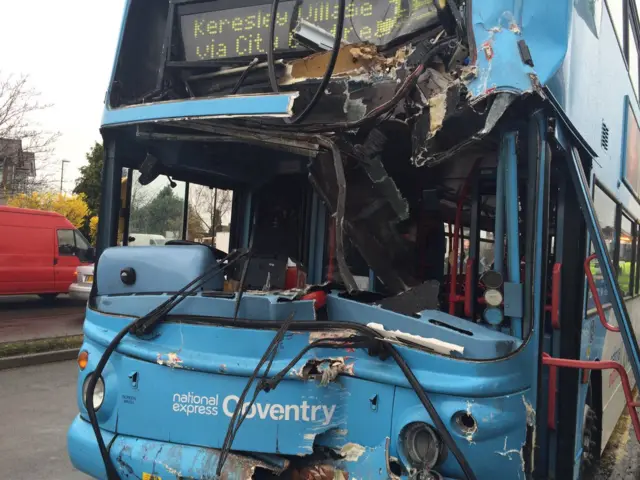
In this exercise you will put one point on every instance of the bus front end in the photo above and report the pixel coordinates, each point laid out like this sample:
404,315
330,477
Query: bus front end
322,243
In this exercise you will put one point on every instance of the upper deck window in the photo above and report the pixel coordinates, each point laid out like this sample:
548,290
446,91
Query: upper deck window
633,58
631,172
616,9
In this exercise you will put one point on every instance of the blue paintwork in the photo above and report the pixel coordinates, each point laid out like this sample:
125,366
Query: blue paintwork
273,105
498,25
479,342
499,223
166,271
213,360
510,159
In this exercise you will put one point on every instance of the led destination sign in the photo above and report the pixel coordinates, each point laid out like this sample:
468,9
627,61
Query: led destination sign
244,31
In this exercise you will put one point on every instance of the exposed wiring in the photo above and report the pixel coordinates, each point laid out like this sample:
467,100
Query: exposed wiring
330,66
385,348
235,422
243,76
269,384
245,269
407,84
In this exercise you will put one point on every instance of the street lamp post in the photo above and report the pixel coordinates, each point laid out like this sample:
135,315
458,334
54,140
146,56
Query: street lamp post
62,174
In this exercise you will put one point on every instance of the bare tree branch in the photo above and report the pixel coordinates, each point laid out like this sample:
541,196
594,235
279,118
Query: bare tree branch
24,145
212,206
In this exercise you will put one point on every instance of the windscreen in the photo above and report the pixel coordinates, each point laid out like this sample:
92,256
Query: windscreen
227,29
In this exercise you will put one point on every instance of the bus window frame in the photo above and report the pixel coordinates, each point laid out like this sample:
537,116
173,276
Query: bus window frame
630,19
633,290
124,207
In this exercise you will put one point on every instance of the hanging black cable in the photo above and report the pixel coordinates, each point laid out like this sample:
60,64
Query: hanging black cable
410,81
234,423
330,66
386,348
245,268
155,315
243,76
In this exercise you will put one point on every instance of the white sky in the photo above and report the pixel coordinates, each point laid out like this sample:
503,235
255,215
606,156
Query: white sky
67,48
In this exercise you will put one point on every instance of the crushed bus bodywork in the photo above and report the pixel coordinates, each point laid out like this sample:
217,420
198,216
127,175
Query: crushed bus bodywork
247,376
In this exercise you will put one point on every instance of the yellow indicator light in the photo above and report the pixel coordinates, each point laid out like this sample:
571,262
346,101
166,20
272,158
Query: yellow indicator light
83,359
149,476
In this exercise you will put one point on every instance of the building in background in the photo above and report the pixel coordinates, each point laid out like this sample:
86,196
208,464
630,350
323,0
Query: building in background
17,169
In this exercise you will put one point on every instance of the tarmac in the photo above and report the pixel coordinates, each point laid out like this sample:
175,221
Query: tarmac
30,318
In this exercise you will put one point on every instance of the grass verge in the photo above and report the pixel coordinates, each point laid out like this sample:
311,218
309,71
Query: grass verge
12,349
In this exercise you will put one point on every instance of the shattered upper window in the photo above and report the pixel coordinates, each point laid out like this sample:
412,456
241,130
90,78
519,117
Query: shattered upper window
224,29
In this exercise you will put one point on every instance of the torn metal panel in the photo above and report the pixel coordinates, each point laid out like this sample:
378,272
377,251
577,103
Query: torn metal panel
353,60
431,343
374,206
326,369
180,461
170,360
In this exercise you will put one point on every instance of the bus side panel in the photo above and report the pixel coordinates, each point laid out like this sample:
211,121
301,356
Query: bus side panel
612,393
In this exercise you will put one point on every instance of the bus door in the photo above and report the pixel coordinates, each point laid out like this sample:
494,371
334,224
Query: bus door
560,356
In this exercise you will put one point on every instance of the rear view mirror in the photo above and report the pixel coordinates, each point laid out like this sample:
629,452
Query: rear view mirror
149,170
91,254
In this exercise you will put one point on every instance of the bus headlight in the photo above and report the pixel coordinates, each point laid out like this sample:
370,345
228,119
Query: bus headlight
98,392
421,445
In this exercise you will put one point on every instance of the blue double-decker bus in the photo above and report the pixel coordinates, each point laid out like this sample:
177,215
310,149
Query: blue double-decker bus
360,239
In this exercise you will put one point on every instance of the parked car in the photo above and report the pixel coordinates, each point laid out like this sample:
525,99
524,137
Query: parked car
39,252
81,287
146,239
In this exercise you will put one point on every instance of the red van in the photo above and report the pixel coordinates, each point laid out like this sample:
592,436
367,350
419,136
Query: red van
39,252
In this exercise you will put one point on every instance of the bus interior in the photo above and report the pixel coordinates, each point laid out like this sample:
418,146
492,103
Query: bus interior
409,251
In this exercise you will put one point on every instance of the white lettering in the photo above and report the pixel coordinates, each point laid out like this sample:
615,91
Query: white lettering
225,405
328,414
191,404
277,412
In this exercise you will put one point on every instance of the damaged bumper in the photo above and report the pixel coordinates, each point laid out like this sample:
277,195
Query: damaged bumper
142,458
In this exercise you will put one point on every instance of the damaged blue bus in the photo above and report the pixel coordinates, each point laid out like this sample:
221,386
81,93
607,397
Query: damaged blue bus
360,239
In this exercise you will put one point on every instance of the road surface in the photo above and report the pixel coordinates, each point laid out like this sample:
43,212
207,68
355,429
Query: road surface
38,405
29,317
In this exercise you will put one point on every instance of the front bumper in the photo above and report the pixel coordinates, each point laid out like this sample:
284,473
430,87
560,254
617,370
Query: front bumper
80,291
142,458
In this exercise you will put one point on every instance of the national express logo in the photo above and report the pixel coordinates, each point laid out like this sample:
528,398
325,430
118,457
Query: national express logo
190,404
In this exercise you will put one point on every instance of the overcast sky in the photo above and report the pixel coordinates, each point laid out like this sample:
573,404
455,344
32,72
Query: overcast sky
67,48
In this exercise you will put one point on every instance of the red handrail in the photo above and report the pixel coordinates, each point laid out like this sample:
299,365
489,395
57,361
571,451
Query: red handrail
467,287
596,295
555,295
554,363
464,192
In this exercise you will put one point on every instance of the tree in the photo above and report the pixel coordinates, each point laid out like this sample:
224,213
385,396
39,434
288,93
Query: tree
195,227
93,229
90,180
211,206
162,214
18,104
73,207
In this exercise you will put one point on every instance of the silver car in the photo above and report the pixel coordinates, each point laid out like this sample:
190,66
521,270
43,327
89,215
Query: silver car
80,289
